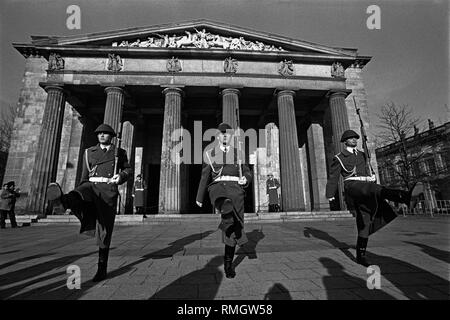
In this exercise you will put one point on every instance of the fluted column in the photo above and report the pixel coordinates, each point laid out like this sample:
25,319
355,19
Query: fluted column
169,186
291,175
318,166
114,106
46,162
125,190
230,106
339,123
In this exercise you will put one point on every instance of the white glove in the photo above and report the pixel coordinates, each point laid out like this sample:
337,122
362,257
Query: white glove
373,178
331,199
242,181
199,204
115,179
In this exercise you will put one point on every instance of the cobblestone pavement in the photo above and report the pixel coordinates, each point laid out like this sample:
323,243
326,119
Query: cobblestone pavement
291,260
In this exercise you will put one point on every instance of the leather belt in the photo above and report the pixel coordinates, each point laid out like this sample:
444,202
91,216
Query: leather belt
99,179
227,178
367,179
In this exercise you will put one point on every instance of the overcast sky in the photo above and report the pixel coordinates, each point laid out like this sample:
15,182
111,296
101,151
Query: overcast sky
410,61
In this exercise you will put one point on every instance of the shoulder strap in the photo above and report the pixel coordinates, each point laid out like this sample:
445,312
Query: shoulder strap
87,160
343,167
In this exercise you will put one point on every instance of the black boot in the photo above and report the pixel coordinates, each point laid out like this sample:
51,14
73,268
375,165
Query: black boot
361,245
228,262
102,265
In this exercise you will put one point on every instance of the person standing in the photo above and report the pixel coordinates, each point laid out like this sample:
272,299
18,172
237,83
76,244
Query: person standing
362,194
272,192
139,194
221,178
8,197
94,200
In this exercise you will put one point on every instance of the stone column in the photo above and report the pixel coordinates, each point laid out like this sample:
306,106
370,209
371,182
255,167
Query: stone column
46,162
125,190
169,186
230,106
291,175
339,123
114,106
318,166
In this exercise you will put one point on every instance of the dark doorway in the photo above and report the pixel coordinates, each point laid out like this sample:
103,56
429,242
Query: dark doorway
152,176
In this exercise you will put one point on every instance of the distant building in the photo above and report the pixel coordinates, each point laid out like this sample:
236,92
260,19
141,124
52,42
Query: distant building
431,170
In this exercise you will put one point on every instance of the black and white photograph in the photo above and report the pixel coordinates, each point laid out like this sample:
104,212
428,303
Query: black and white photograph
220,154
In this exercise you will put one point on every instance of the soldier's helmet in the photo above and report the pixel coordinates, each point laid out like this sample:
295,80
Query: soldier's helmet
349,134
106,129
223,127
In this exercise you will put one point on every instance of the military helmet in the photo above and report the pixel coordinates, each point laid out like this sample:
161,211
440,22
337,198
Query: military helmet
106,129
223,127
349,134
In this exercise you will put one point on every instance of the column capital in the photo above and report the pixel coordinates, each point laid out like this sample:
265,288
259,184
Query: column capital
230,91
173,90
284,92
118,89
338,92
48,86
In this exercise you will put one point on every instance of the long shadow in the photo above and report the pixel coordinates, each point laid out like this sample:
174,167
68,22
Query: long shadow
336,273
209,278
34,271
433,252
278,292
322,235
36,256
249,249
8,252
402,280
174,247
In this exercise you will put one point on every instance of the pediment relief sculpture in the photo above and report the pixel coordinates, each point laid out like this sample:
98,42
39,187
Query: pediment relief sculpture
55,62
230,65
174,65
199,39
115,63
337,70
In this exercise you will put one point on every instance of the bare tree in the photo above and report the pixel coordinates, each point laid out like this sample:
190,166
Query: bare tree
397,123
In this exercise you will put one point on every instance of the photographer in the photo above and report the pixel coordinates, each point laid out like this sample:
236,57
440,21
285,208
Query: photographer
8,197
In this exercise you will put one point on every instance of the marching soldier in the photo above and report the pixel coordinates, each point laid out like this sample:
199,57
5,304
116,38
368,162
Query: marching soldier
225,183
362,194
138,195
94,201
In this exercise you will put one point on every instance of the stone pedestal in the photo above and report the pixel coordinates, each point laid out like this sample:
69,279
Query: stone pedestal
318,166
169,187
114,106
291,175
230,106
46,162
339,123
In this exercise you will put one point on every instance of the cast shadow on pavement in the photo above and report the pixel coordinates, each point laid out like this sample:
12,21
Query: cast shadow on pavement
249,249
433,252
278,292
36,270
199,284
209,278
401,274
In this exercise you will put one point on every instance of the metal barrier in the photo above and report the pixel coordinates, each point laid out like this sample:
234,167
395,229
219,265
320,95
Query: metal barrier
423,207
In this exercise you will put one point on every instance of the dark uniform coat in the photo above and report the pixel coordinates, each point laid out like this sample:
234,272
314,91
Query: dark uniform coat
138,191
363,198
100,199
218,164
272,187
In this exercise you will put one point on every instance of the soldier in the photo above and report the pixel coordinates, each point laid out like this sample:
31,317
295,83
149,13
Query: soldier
94,201
361,192
138,195
221,177
272,191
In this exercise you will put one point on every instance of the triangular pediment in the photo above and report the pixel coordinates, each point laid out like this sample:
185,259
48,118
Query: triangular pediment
198,34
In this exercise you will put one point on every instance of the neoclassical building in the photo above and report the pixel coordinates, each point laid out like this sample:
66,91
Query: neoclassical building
151,81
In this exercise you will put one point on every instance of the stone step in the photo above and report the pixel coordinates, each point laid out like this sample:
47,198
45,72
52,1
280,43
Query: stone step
23,220
179,218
